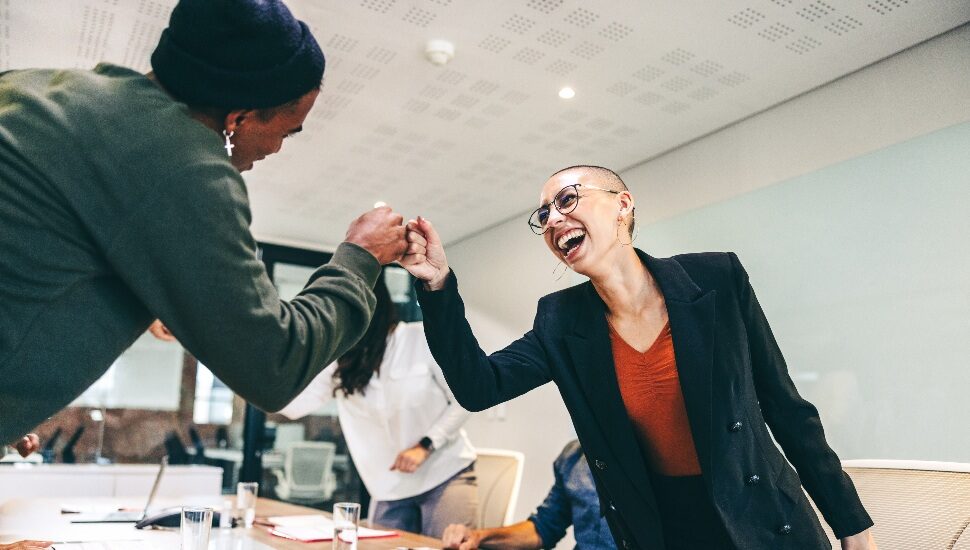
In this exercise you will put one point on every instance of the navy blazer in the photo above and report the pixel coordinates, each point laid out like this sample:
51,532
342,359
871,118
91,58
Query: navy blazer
735,384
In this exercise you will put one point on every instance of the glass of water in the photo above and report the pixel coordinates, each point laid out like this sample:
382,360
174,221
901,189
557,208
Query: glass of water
246,493
196,522
346,518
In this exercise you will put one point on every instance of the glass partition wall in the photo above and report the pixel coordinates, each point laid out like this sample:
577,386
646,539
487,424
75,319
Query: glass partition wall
158,400
269,438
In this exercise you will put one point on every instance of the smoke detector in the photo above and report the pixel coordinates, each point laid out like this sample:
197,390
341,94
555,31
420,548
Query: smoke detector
439,52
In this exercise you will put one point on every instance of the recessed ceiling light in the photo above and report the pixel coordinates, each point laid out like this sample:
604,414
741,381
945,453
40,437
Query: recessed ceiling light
567,93
439,52
379,204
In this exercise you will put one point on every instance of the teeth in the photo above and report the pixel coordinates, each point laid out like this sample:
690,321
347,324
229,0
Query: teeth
571,234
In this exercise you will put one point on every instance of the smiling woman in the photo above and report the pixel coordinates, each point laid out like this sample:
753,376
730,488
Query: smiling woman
566,228
671,376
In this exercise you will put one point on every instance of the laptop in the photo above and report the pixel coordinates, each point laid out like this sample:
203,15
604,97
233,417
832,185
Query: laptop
126,516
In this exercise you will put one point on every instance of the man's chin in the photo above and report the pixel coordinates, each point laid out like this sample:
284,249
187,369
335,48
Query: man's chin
241,164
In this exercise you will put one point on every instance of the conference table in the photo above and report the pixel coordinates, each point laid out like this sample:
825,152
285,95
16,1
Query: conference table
268,508
41,518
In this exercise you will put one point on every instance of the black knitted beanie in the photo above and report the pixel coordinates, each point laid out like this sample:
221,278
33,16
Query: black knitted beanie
237,54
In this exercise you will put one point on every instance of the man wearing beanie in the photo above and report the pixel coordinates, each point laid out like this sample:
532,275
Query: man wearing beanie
121,201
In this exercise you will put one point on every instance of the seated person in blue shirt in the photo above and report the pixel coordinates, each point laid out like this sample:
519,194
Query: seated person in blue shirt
572,500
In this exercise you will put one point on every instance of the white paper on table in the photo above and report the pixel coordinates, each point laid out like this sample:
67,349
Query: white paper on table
105,545
309,520
85,508
310,528
316,533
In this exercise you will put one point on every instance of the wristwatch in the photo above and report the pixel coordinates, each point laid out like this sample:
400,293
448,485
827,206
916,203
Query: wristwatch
426,444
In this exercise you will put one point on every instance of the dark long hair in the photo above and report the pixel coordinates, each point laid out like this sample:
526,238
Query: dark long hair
356,367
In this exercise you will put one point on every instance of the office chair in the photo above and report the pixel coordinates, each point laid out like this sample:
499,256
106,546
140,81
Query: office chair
222,437
914,504
307,475
200,457
288,434
269,437
67,453
199,446
175,449
499,474
48,451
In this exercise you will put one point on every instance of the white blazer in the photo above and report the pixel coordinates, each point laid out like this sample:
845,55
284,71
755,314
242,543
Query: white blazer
408,400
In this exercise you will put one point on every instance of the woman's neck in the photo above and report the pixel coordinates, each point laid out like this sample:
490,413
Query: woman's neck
627,288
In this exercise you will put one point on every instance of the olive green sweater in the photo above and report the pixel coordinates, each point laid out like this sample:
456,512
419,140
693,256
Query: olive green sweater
116,208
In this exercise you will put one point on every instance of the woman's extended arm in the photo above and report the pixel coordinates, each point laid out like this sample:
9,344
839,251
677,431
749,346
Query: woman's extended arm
478,380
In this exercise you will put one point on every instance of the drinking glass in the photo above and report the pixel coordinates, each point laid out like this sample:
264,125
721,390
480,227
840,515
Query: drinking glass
346,517
246,492
196,522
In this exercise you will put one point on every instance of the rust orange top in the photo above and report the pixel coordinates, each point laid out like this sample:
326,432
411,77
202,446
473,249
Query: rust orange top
650,388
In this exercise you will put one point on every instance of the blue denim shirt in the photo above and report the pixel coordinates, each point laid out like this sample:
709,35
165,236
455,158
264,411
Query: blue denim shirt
572,500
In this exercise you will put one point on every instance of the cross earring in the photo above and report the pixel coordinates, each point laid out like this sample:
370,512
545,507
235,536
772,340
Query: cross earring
228,146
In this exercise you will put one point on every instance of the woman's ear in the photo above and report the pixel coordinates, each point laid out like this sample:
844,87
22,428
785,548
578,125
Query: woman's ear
626,203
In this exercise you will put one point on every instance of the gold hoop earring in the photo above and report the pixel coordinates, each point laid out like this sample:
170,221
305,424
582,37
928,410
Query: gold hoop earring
633,237
618,226
564,270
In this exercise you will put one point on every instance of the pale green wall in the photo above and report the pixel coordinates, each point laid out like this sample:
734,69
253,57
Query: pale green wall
863,269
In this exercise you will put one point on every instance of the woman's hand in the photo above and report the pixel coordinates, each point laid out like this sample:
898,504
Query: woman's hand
860,541
26,545
27,444
410,459
425,255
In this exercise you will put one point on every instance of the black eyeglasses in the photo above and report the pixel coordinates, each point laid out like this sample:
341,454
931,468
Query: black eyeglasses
565,201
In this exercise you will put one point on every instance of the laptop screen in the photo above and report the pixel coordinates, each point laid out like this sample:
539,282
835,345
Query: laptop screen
154,491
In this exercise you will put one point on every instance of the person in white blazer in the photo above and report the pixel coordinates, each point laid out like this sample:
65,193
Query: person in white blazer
402,424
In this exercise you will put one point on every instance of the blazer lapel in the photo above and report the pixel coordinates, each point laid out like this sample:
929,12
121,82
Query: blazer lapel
692,323
589,346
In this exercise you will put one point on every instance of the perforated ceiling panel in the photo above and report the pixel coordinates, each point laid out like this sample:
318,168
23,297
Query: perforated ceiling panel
469,144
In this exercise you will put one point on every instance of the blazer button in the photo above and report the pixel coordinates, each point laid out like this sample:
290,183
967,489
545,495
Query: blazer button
612,507
599,464
736,427
626,545
753,480
784,529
